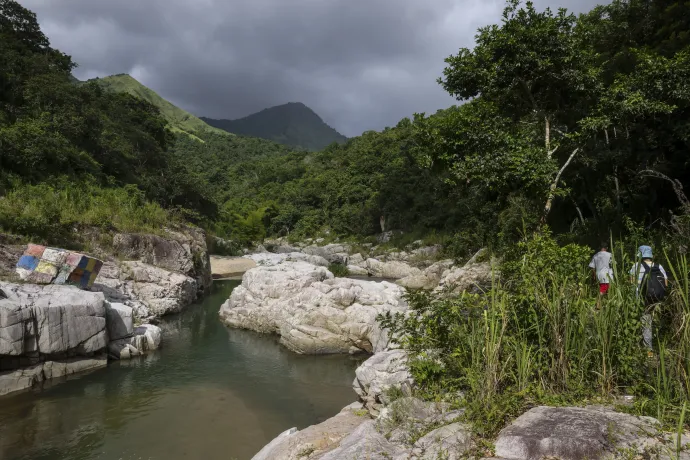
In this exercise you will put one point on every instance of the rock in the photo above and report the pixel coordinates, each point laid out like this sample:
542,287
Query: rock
573,433
182,252
228,267
161,291
312,311
42,265
120,320
378,374
145,338
427,252
316,440
399,256
429,279
365,443
266,453
26,378
333,253
404,420
449,442
392,270
356,270
269,259
10,252
357,259
384,237
284,249
51,320
472,276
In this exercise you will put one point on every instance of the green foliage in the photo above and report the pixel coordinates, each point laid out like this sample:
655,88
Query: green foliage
292,124
537,337
338,270
57,213
178,119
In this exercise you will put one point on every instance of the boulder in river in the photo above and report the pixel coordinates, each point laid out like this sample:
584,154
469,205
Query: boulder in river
311,310
149,290
47,331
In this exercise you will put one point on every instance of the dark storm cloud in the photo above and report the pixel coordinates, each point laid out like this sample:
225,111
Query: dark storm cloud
360,64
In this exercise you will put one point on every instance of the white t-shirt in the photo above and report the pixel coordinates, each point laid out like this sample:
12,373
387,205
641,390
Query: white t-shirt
601,263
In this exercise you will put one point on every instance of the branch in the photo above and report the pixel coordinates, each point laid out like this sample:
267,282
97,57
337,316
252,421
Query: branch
554,185
677,185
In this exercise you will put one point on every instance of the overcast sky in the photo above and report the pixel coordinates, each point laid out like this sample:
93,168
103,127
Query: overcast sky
360,64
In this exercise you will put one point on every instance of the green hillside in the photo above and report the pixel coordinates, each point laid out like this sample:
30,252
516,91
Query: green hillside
293,124
179,120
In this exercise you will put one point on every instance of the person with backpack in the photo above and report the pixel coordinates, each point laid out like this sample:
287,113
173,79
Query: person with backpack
601,270
652,281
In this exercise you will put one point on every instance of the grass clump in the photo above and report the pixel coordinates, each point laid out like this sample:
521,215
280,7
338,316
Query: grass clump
56,213
338,270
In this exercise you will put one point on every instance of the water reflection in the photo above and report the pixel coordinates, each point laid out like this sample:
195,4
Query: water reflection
209,393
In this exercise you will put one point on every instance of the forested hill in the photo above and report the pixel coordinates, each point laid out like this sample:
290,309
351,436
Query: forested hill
293,124
179,120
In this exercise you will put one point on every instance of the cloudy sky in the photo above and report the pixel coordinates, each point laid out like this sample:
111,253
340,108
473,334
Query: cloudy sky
360,64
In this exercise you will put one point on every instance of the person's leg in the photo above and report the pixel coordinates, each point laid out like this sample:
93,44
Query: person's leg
647,330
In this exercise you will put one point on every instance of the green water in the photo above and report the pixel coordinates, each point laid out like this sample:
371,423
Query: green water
209,393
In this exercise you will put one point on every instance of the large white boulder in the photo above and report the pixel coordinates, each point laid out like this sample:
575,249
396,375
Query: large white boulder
378,374
51,320
312,311
315,440
134,283
574,433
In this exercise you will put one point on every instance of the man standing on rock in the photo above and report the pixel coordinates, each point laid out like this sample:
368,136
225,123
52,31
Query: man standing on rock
601,270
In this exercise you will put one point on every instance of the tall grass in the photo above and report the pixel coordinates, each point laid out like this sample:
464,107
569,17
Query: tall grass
541,336
56,213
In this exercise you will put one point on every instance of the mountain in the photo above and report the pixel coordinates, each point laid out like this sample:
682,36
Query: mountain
293,124
179,120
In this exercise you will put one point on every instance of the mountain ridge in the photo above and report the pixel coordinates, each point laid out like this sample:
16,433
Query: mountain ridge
179,119
293,124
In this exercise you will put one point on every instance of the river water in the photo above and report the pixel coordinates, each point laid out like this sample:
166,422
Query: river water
208,393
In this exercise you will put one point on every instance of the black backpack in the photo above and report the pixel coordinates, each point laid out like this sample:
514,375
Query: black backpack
653,283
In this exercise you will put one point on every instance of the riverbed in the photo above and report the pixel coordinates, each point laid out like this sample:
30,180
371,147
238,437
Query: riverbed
209,392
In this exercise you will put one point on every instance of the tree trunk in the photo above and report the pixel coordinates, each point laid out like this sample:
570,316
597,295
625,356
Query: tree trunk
554,186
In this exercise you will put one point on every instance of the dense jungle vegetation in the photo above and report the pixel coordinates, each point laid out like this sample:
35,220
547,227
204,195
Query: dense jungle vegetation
577,122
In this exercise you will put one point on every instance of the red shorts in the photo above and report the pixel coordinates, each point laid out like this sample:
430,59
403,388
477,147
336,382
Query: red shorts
603,288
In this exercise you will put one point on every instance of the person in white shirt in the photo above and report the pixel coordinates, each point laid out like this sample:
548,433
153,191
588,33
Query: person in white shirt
601,270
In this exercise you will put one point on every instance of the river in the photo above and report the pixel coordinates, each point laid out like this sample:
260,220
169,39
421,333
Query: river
208,393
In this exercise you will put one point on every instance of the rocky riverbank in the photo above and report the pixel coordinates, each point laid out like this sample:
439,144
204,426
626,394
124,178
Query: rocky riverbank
293,294
51,331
